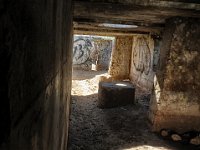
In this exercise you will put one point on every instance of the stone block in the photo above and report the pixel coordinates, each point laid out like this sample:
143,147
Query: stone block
114,94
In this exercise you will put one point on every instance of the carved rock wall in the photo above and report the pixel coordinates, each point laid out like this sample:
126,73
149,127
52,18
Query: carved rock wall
36,40
121,58
141,69
175,103
88,50
5,50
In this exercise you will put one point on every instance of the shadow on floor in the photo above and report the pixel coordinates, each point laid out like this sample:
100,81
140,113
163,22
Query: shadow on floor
118,128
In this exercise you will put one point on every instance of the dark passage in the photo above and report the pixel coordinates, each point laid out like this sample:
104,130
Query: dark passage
5,48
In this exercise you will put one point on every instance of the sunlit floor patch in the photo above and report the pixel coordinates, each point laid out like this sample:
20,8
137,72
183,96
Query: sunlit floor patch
147,147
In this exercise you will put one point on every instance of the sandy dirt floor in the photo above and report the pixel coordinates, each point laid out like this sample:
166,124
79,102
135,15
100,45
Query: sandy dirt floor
121,128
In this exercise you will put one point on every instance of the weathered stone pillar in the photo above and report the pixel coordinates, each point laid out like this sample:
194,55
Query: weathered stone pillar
175,103
121,56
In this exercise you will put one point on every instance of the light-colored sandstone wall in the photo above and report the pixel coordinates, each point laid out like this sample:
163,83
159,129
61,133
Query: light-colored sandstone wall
175,103
121,56
141,69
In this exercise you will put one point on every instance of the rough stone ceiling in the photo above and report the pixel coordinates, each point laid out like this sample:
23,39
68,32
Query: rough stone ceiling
148,15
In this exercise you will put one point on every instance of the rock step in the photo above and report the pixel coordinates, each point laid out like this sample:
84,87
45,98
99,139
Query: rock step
115,94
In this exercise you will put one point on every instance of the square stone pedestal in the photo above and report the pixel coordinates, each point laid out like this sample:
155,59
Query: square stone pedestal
114,94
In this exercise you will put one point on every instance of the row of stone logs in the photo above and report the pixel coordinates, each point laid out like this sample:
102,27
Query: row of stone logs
192,137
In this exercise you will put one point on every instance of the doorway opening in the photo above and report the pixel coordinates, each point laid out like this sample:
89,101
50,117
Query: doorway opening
118,128
92,127
139,32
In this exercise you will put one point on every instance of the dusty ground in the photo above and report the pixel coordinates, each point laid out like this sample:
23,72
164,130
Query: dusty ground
122,128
